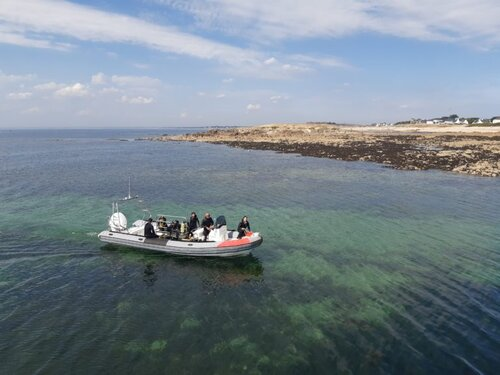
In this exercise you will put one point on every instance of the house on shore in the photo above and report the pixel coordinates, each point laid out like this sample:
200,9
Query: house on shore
434,121
452,120
449,120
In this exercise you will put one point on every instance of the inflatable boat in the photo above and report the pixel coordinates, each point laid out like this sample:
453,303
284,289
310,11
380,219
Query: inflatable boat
220,242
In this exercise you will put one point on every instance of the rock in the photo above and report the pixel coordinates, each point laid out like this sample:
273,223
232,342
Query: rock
473,154
446,153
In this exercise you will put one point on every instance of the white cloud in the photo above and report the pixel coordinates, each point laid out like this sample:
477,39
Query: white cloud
109,90
49,86
183,115
135,81
275,98
446,20
273,68
77,89
41,22
13,78
220,96
141,66
270,61
19,95
13,35
32,110
295,68
201,93
227,80
41,19
136,100
322,61
253,107
98,79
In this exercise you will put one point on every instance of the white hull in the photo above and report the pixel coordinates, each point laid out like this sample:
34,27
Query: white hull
228,248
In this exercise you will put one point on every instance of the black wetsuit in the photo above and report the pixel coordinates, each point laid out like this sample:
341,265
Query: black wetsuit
149,231
193,224
242,227
206,224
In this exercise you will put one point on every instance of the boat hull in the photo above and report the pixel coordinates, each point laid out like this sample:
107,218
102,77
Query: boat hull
229,248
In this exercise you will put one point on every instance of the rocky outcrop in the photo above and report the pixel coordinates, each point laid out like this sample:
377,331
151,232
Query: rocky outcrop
475,153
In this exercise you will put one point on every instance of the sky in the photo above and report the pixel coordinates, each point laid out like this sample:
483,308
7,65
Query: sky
167,63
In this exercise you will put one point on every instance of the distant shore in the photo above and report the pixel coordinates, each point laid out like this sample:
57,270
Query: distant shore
473,150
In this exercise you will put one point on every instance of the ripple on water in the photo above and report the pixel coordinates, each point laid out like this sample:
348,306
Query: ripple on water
362,270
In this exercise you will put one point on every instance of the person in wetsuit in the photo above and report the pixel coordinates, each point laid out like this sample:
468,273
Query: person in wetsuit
207,224
193,224
149,231
243,227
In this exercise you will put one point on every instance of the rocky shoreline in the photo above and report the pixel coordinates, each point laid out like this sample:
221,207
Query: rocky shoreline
474,151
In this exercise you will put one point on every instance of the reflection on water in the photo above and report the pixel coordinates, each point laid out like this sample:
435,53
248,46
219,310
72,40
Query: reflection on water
149,275
213,272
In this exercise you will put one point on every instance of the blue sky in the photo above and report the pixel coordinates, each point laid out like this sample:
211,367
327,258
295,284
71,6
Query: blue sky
160,63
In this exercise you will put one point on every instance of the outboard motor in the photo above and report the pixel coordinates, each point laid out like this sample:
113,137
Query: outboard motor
117,222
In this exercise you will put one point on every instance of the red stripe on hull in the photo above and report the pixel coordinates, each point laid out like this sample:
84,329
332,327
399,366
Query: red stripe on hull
242,241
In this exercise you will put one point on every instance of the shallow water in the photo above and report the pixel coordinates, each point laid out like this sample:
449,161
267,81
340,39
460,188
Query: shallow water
363,269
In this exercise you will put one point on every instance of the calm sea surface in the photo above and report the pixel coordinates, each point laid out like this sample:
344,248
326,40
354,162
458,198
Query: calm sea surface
363,269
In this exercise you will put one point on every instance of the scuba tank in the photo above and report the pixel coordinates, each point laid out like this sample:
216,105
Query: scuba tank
183,227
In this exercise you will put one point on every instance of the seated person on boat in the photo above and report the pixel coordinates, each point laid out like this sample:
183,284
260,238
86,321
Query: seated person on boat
149,231
243,227
162,223
174,229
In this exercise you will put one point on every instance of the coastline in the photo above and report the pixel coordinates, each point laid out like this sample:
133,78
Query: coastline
455,148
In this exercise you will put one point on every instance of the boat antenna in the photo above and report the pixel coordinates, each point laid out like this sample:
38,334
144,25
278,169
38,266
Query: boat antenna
129,196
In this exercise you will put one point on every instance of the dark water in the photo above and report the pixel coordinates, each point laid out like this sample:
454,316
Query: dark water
363,270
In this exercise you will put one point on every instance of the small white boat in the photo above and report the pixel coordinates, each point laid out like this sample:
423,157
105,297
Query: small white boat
221,242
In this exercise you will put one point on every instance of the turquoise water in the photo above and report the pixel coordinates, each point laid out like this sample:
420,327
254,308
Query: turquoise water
363,269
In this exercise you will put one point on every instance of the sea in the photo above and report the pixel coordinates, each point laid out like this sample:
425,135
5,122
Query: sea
363,269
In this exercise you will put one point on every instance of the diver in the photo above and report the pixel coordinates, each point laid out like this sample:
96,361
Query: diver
193,224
